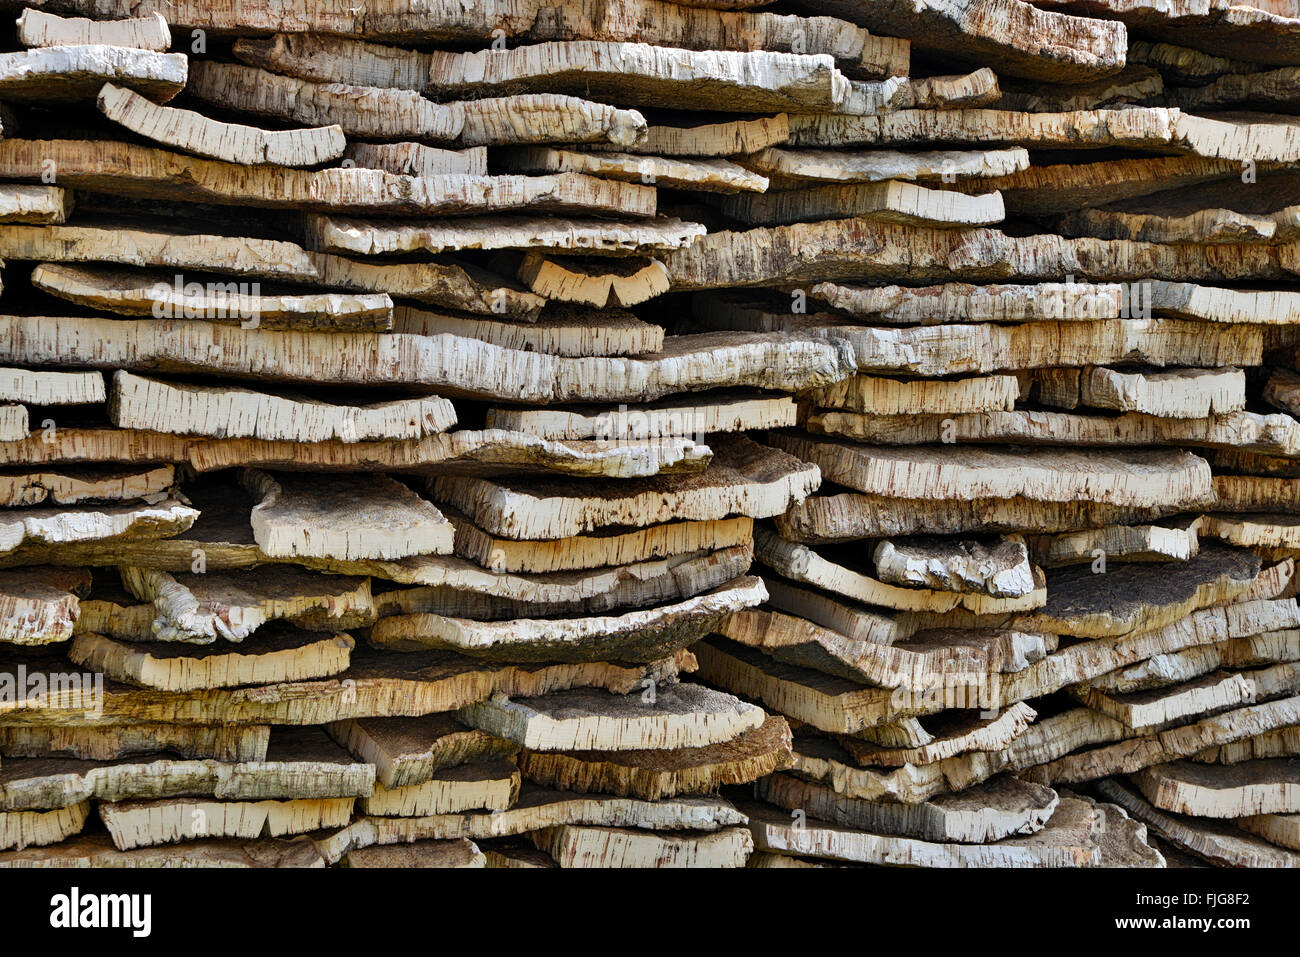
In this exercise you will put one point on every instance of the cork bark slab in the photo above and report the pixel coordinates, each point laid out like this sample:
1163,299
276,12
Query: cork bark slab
879,396
133,824
605,847
36,28
656,774
376,113
433,854
736,412
692,175
347,518
791,169
679,715
302,764
374,686
1210,840
636,74
536,809
1174,541
234,744
589,236
490,785
34,204
23,829
279,655
633,636
223,412
558,331
97,850
1068,840
988,812
232,142
416,159
964,303
892,201
408,751
125,169
448,363
76,72
744,478
1139,479
1267,786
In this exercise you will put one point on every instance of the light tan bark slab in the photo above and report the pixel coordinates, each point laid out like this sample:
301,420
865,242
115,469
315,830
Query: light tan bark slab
234,143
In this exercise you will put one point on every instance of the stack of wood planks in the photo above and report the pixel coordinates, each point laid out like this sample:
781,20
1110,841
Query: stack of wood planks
632,433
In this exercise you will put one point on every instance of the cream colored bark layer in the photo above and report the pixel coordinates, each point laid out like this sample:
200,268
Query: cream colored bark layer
34,204
892,201
135,824
790,169
76,72
98,851
671,716
727,138
456,365
346,517
603,283
52,528
416,159
961,302
585,236
656,774
607,847
77,486
24,829
234,143
37,28
696,175
223,412
877,396
559,331
1177,393
735,413
493,785
643,635
408,751
636,74
126,169
744,478
1140,478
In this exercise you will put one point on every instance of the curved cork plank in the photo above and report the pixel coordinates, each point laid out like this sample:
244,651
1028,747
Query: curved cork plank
408,751
222,412
1139,478
37,28
559,331
338,234
643,635
118,168
537,809
664,717
606,847
635,74
71,73
231,142
451,363
737,412
692,175
302,764
373,112
987,812
344,517
23,829
789,168
134,824
234,744
744,478
491,785
1021,39
656,774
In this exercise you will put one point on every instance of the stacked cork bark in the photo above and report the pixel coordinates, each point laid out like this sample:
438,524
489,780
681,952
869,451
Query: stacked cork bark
628,433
